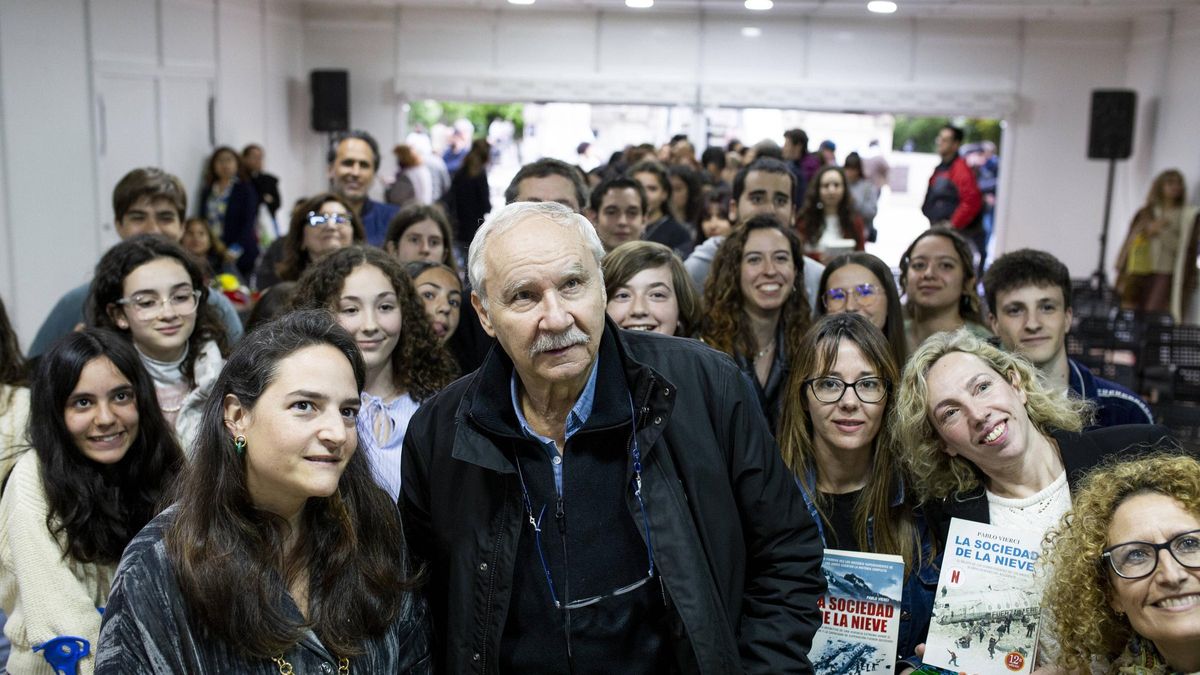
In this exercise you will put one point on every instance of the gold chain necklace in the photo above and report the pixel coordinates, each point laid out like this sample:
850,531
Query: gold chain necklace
285,668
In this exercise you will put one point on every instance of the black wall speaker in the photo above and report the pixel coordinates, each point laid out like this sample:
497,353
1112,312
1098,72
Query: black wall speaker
330,100
1110,135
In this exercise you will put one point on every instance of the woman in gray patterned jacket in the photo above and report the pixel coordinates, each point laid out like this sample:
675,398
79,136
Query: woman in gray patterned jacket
280,554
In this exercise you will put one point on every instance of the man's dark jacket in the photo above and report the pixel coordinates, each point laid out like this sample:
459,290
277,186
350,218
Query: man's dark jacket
738,553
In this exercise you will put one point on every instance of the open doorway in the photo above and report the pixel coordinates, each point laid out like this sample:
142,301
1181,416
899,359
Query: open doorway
588,134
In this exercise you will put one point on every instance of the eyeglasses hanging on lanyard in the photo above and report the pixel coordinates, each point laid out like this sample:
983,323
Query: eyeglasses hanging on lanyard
536,523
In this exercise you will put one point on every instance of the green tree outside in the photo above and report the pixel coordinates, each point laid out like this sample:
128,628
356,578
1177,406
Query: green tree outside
924,130
427,113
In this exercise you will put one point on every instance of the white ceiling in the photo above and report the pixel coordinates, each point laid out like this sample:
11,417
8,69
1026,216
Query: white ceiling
984,9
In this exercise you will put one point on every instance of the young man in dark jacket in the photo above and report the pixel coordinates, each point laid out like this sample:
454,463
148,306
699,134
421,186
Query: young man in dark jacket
598,500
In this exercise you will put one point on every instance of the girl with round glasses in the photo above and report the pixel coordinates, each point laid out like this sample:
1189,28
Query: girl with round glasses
320,225
985,439
1125,593
372,297
279,554
834,436
101,457
861,283
152,291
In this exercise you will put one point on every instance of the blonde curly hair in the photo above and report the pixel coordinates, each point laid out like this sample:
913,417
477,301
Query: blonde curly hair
937,474
1078,591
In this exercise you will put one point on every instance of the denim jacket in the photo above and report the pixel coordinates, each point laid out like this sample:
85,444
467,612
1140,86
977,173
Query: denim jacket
916,602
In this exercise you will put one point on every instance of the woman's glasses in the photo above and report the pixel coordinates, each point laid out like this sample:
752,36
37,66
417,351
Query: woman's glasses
835,299
1139,559
147,306
318,219
832,389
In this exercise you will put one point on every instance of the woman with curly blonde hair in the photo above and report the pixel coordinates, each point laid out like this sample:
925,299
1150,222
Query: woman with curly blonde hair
986,440
1124,596
758,308
372,297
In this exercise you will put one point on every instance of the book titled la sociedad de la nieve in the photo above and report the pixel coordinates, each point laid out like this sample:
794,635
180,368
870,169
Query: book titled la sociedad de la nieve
860,614
988,602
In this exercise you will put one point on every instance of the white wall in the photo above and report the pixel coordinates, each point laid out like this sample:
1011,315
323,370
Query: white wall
49,224
363,41
126,83
1176,144
1055,195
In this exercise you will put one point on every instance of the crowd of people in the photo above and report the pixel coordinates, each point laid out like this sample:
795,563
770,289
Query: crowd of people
610,425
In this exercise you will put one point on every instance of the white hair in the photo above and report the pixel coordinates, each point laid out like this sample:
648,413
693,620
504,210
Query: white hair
508,217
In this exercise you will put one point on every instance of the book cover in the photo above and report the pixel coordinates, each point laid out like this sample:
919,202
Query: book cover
986,611
860,614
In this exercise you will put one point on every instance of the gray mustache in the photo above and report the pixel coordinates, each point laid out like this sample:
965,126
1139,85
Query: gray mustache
550,342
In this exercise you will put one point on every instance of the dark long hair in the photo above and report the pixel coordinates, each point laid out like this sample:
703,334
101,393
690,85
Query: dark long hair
812,214
694,208
420,363
229,556
969,306
416,213
295,258
12,363
210,171
894,529
108,286
893,328
725,326
98,509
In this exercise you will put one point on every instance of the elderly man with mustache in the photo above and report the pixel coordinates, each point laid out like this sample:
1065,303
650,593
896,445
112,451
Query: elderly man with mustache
596,500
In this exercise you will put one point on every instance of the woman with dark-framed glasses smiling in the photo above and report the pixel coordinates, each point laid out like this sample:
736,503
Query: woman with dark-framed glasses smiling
835,439
152,291
861,283
1125,593
320,225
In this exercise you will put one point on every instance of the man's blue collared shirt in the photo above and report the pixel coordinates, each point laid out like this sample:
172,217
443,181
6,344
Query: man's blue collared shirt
575,420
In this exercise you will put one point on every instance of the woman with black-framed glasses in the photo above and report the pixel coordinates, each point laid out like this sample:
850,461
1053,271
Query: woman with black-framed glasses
1124,595
152,291
835,438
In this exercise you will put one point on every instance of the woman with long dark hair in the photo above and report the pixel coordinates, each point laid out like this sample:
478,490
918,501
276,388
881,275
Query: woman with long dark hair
280,554
229,203
937,279
687,196
102,456
372,297
827,217
836,439
662,225
421,233
151,291
469,198
757,308
320,225
14,396
861,283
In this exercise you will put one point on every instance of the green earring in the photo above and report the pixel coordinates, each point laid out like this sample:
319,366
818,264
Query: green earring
239,444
